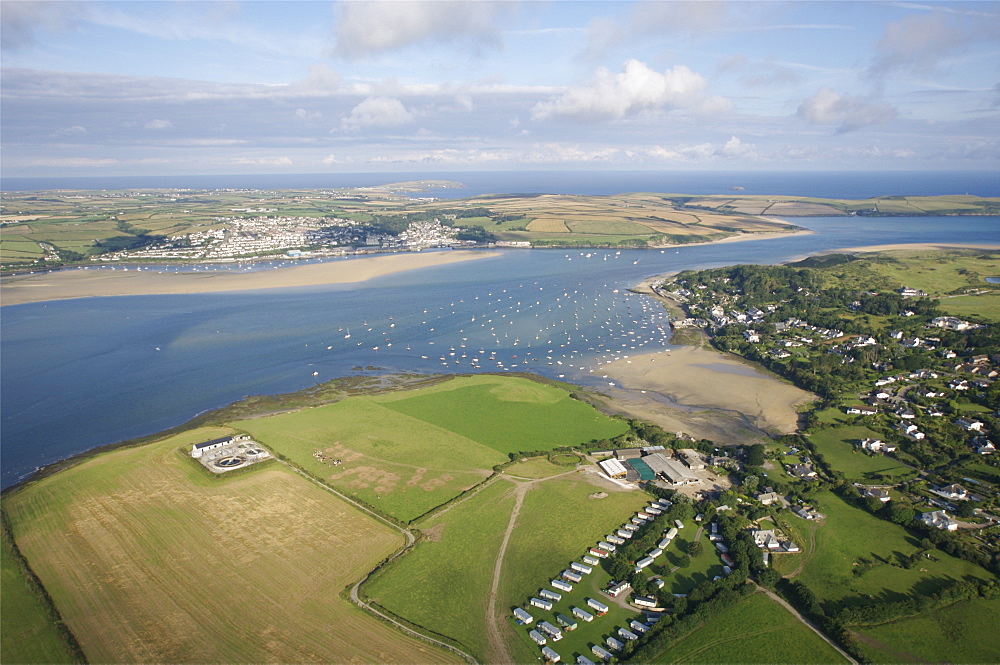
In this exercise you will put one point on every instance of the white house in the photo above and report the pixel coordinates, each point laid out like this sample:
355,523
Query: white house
939,519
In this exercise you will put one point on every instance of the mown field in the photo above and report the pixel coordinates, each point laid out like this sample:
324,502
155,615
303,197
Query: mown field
854,556
150,560
703,567
838,447
756,630
430,444
961,633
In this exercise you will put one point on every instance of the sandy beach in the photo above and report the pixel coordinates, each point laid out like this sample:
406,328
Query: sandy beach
67,284
699,379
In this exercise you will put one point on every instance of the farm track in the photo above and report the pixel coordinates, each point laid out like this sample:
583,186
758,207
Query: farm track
499,653
410,540
781,601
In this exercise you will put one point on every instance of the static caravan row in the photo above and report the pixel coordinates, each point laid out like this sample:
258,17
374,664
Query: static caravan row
721,547
655,552
627,634
679,524
583,660
598,606
538,638
571,575
550,655
664,543
643,515
601,652
582,614
606,546
630,527
638,521
565,622
643,601
671,533
624,533
543,604
614,644
638,626
662,504
614,540
550,595
550,630
653,511
580,568
599,553
523,616
642,563
562,585
587,559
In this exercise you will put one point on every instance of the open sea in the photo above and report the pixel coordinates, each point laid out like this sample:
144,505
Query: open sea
82,373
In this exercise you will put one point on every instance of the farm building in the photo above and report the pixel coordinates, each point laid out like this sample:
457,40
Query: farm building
640,469
601,652
562,585
614,644
642,563
551,631
670,470
542,604
572,576
550,655
591,561
550,595
523,616
582,614
580,568
199,449
598,606
693,460
628,453
613,468
627,634
537,638
643,601
566,622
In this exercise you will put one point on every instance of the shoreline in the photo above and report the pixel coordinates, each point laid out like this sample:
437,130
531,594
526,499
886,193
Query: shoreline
75,284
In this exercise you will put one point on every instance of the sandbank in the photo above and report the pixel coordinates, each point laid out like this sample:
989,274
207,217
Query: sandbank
743,237
68,284
705,379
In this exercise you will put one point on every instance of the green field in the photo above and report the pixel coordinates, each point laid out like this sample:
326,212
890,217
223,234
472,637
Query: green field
27,633
837,446
756,630
430,444
965,632
850,534
150,560
444,583
985,305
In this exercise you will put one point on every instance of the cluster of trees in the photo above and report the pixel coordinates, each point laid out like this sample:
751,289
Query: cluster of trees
879,613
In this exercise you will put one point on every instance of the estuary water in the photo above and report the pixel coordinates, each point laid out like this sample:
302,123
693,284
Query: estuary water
83,373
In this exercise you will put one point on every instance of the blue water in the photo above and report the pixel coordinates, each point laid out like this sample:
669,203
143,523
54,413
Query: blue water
82,373
825,184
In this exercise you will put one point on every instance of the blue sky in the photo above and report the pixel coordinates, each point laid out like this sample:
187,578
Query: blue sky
111,88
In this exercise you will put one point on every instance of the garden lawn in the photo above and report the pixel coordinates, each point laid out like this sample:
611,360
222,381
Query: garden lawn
756,630
965,632
849,534
838,449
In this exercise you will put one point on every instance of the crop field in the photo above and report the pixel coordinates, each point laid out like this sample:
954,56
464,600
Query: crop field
26,633
757,630
837,574
961,633
148,560
837,446
508,414
404,467
444,584
548,225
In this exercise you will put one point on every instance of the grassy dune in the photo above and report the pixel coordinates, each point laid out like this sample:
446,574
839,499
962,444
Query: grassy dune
149,560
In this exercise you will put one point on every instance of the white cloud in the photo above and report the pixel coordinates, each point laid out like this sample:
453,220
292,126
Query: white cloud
20,20
263,161
377,112
828,107
75,130
636,88
158,123
366,28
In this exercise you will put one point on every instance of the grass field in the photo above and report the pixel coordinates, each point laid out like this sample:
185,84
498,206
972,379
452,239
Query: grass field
705,566
756,630
27,633
536,467
986,305
149,560
961,633
444,583
837,446
850,534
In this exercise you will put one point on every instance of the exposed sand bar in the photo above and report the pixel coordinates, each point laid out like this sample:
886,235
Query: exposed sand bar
706,379
67,284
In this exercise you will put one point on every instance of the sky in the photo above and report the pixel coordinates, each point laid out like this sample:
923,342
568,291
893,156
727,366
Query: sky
198,87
